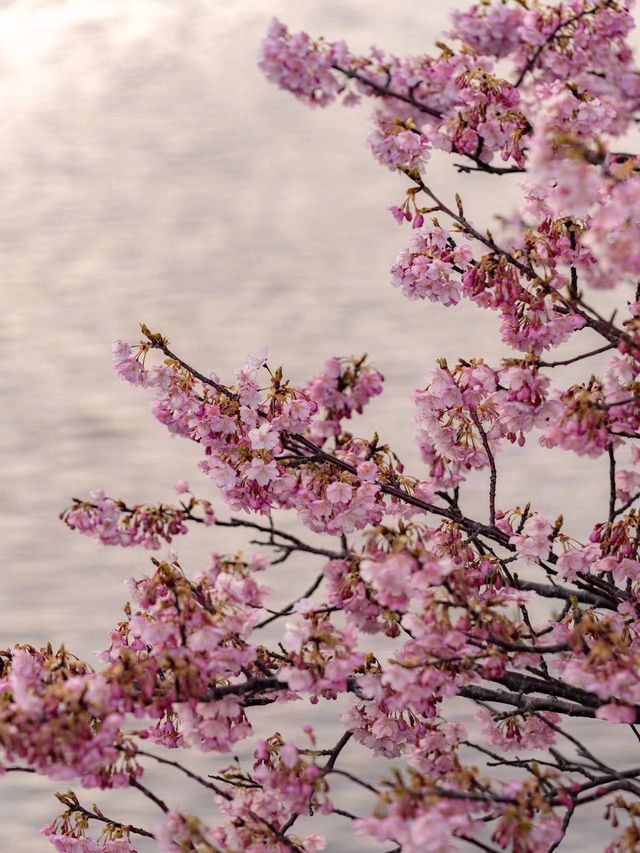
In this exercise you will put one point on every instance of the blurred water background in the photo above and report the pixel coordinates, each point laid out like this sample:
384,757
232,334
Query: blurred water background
149,172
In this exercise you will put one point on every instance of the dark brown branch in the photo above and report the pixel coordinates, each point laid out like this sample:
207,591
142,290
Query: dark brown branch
125,827
563,592
493,479
605,790
599,323
337,749
605,407
149,795
290,544
288,609
159,343
253,685
487,167
524,702
566,820
521,683
465,523
348,775
468,796
278,833
582,749
616,776
267,685
479,844
525,763
328,768
580,357
470,229
386,92
612,483
295,543
344,813
529,649
624,434
186,772
625,506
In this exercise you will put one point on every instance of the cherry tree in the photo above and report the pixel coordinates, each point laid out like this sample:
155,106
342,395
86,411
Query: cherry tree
508,614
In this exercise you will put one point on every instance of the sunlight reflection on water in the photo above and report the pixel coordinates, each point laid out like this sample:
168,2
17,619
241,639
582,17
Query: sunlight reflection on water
150,173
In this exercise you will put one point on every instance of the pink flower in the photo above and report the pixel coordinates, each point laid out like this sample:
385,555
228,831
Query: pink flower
367,472
394,144
615,713
534,541
264,437
261,472
339,492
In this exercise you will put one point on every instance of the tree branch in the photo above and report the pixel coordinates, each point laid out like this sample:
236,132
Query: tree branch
74,807
492,466
317,454
583,355
525,703
612,483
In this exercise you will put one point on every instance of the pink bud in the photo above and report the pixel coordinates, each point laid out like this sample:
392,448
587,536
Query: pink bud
289,755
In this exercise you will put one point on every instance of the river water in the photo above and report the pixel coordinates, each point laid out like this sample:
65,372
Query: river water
149,172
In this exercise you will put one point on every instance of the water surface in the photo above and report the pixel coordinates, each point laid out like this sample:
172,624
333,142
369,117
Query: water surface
149,172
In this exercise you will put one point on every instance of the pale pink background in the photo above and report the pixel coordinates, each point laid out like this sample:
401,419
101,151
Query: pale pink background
149,172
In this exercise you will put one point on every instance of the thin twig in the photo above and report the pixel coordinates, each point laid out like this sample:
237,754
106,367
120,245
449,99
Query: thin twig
493,479
580,357
565,825
563,592
386,92
149,795
337,749
296,544
125,827
344,813
625,506
288,609
479,844
186,772
612,483
348,775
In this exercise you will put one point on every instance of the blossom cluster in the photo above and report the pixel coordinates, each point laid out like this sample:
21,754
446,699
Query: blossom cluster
184,638
431,268
466,413
62,718
464,108
253,444
114,523
68,832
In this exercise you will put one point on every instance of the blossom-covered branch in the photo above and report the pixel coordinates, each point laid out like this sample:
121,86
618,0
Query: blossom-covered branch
524,624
